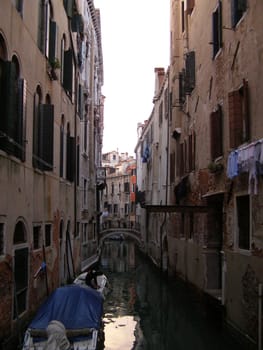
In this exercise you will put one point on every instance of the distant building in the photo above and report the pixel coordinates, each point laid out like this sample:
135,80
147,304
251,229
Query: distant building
118,198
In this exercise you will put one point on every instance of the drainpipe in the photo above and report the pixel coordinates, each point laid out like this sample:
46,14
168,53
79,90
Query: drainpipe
260,316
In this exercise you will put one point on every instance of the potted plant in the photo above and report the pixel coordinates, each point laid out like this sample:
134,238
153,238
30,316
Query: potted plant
215,167
52,66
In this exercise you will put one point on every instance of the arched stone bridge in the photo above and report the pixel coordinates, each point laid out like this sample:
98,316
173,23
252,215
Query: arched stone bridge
126,232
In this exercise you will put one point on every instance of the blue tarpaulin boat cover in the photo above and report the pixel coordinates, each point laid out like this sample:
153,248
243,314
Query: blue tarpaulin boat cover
75,306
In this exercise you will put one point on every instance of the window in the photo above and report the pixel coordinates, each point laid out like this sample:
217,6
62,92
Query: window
115,208
2,238
37,238
239,126
12,108
182,17
47,31
190,4
191,151
62,147
48,230
21,281
85,193
84,232
43,138
217,29
181,81
112,188
243,222
68,71
126,208
216,133
19,6
172,167
189,72
71,157
20,270
126,187
68,5
238,7
161,113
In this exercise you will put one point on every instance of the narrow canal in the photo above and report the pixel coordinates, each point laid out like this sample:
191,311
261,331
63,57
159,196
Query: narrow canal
145,311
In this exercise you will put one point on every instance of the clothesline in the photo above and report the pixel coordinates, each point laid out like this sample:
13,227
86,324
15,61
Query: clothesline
248,158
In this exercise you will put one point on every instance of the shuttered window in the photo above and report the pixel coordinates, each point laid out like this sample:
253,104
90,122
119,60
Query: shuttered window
182,87
52,42
216,133
190,72
68,5
46,137
68,71
70,158
172,167
12,110
239,125
191,151
217,29
238,7
190,6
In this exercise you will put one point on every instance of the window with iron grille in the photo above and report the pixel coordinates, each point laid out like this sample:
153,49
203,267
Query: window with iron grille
238,8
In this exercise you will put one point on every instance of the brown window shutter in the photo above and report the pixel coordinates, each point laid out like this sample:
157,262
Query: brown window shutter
216,134
235,118
190,4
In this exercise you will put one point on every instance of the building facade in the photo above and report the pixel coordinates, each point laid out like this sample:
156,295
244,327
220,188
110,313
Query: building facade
211,221
51,73
118,197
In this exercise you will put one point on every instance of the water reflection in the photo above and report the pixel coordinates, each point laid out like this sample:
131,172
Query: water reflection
143,311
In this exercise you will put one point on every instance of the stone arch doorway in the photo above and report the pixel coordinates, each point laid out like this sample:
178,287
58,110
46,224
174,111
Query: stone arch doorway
21,268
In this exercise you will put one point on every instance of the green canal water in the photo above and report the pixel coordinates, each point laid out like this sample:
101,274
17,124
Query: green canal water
143,310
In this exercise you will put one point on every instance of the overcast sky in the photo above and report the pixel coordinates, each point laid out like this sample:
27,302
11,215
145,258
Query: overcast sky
135,40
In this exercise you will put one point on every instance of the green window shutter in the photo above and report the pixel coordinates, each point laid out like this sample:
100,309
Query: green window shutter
8,123
190,72
68,5
46,136
71,158
80,101
77,24
52,41
21,132
216,133
41,25
68,71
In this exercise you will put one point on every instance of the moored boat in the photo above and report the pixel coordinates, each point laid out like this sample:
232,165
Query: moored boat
69,319
101,279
